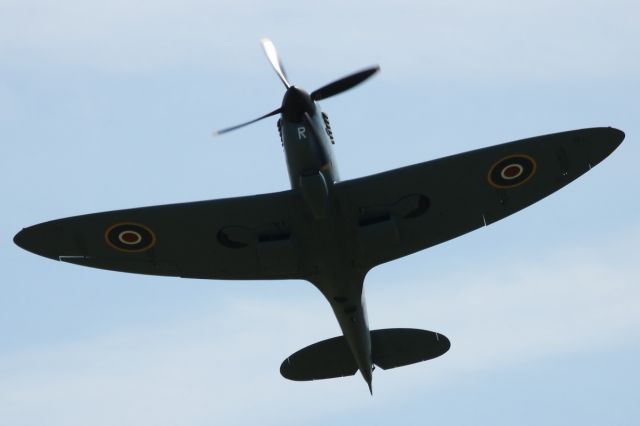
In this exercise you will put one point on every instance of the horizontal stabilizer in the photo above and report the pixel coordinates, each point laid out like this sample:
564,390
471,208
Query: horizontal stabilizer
323,360
390,348
395,347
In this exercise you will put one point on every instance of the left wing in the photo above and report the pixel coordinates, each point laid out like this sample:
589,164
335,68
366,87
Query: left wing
236,238
401,211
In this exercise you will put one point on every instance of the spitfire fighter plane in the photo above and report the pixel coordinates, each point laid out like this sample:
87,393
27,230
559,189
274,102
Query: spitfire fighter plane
326,231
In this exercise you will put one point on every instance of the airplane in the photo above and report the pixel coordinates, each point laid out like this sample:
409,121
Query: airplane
329,232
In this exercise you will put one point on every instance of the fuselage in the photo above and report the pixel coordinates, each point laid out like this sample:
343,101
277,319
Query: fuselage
307,140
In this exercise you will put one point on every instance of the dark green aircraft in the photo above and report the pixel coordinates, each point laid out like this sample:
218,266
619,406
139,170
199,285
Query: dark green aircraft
326,231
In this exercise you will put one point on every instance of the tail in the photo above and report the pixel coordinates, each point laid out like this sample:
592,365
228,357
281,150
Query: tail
390,348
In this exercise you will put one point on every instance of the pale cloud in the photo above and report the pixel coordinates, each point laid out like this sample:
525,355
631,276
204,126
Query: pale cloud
569,299
544,39
221,367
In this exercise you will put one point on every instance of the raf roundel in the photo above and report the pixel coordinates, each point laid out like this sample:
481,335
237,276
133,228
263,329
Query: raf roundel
130,237
511,171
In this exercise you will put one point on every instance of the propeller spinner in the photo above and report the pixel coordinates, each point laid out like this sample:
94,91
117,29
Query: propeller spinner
297,104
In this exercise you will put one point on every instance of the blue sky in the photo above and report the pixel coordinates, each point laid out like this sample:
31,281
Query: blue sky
107,105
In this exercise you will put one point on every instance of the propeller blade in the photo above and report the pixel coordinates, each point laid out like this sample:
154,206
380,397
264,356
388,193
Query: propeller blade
345,83
272,55
228,129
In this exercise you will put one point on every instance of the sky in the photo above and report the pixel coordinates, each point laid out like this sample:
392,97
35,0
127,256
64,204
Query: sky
108,105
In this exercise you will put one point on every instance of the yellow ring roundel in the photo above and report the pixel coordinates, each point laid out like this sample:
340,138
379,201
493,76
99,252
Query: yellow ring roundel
511,171
130,237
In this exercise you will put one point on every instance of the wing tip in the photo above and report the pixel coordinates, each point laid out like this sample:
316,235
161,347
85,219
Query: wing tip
617,134
31,240
603,142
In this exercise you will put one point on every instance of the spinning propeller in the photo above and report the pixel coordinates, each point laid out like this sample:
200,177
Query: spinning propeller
297,104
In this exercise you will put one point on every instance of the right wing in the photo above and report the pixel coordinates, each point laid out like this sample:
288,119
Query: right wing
405,210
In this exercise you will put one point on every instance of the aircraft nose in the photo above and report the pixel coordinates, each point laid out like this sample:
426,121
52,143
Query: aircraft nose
295,103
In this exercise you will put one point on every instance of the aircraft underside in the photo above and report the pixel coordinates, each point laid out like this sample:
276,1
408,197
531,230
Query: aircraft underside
326,231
